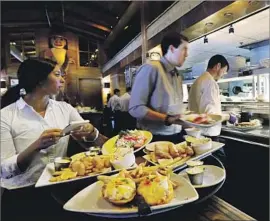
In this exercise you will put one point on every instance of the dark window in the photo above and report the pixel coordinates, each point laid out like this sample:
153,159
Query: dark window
88,53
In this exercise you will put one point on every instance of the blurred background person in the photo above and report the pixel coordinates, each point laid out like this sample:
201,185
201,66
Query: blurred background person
128,121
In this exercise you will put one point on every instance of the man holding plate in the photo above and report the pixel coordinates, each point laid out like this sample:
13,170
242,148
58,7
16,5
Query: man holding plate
157,94
204,95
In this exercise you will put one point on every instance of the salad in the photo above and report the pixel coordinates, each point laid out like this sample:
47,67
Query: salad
130,139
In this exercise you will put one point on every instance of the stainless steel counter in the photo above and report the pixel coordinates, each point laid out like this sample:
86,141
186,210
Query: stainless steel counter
257,136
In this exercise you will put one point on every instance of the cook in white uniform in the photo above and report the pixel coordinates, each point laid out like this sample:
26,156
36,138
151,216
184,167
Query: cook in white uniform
204,95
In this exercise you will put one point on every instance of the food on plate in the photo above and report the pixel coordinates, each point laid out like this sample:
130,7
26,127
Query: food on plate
194,140
156,190
199,119
93,151
252,123
130,139
119,190
82,167
63,175
123,158
152,183
170,153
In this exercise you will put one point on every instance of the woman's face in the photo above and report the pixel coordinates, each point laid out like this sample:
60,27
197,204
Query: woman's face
55,81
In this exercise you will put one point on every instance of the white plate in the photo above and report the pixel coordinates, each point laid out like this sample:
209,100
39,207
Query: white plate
49,170
212,176
215,146
151,146
90,200
217,118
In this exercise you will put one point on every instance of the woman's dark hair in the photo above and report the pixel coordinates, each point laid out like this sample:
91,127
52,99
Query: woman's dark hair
172,38
218,59
31,74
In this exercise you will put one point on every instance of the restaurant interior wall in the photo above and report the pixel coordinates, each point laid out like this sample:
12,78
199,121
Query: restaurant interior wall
75,71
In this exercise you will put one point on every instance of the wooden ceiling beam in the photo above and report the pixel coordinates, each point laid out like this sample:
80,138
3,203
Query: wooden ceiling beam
104,19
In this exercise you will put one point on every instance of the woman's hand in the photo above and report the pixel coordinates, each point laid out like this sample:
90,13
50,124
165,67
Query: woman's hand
86,132
48,138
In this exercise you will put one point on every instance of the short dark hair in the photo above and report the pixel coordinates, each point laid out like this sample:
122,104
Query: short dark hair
218,59
172,38
116,91
128,89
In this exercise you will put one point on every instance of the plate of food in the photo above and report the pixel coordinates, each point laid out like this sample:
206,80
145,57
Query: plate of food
177,156
170,155
117,196
136,139
67,170
246,126
201,120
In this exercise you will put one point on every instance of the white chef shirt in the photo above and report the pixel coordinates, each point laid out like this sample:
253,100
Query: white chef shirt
204,97
21,125
124,102
114,103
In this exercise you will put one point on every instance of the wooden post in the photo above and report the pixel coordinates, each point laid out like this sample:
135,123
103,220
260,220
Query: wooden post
143,9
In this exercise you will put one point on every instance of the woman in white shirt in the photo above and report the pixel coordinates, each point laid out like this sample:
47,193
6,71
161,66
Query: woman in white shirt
31,137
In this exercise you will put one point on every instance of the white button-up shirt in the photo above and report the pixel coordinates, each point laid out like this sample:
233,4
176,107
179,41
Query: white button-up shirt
21,125
114,103
204,97
124,102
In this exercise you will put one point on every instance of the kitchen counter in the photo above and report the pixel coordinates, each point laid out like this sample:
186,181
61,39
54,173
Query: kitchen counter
258,136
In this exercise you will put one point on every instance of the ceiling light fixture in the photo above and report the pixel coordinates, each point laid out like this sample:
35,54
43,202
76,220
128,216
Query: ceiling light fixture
96,50
205,40
126,27
111,26
231,29
117,17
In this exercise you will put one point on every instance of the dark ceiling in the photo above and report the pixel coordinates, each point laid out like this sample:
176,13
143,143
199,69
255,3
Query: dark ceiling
93,20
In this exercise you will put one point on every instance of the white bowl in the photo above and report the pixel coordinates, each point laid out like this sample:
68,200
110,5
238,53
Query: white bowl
201,148
194,132
125,161
151,146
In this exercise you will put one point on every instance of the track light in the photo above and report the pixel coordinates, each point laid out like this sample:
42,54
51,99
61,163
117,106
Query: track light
205,40
231,29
